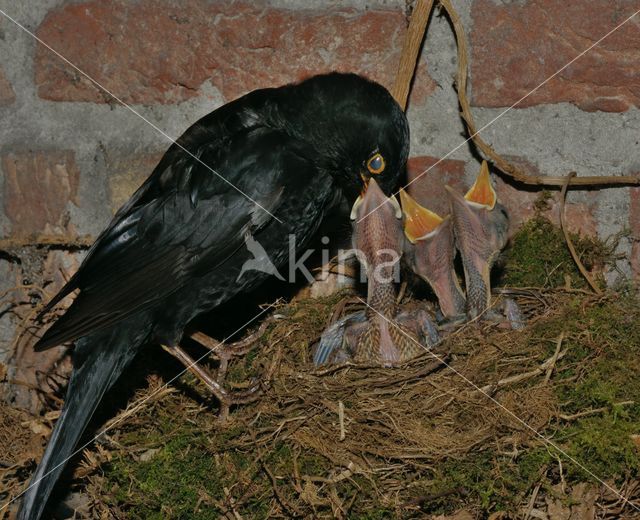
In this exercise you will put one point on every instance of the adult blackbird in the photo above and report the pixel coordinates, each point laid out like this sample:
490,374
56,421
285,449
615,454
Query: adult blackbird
263,169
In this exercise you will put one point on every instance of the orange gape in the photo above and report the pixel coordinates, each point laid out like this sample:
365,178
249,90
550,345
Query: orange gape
419,221
482,191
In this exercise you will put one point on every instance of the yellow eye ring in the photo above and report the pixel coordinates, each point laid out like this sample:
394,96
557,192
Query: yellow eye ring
376,164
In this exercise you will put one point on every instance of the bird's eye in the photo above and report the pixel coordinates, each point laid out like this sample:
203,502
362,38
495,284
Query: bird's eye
376,164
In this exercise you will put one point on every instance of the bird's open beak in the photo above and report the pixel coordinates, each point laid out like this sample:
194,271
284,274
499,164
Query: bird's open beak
372,198
482,192
419,222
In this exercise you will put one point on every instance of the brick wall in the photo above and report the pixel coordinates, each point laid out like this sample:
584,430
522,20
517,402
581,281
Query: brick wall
70,155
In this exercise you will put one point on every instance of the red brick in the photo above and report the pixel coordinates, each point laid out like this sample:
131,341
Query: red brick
37,189
634,224
7,95
431,178
520,202
517,46
158,51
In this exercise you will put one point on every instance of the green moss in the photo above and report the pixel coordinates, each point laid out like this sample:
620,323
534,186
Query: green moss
170,484
538,256
605,354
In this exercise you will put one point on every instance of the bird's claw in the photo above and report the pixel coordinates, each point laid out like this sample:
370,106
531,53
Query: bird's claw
224,352
225,397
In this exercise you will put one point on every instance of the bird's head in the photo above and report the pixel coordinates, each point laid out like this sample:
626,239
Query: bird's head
377,228
481,222
357,129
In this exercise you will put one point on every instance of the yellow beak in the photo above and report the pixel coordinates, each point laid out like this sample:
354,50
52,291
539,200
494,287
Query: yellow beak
419,221
482,191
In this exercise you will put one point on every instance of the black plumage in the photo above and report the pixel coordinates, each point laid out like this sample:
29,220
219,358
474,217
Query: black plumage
283,158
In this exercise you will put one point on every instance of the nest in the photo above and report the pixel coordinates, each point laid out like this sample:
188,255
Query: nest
349,441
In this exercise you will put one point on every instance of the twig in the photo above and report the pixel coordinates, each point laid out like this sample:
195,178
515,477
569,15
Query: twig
506,167
542,471
290,508
410,51
532,500
524,376
594,411
341,420
567,238
554,359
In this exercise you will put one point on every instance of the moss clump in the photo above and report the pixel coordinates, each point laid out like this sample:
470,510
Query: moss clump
538,256
602,376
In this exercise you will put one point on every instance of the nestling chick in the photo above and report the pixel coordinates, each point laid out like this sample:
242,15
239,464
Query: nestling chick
480,225
379,334
430,252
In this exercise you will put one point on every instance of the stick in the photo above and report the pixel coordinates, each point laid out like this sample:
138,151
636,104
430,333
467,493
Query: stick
567,238
532,500
554,359
595,411
341,420
524,376
410,51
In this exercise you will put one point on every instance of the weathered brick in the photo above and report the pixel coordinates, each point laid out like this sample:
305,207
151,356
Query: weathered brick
518,45
160,51
126,174
634,224
423,84
432,176
520,203
7,95
38,186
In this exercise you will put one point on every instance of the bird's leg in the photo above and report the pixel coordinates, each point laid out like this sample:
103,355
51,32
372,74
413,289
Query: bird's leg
226,398
225,351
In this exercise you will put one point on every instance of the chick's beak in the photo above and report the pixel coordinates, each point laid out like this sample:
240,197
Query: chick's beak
482,192
419,221
372,199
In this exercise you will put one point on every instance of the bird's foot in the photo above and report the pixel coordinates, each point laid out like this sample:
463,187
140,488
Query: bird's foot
226,398
224,352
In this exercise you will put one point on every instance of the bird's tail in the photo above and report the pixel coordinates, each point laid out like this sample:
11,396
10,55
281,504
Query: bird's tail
98,361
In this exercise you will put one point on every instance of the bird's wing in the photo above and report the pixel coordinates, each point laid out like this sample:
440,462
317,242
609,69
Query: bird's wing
183,222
